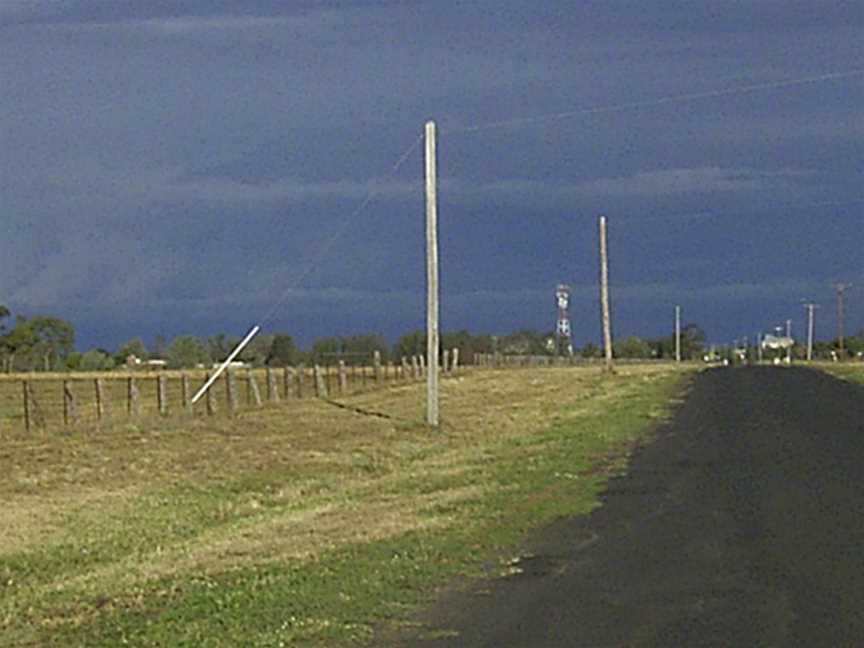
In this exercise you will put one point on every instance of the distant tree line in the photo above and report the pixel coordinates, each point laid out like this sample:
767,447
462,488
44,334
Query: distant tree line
47,343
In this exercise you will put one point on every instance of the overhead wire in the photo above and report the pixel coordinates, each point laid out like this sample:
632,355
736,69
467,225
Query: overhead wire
371,192
648,103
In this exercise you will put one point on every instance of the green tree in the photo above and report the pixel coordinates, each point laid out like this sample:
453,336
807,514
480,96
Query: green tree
525,342
632,347
325,350
692,341
413,343
18,344
95,360
591,350
283,351
186,351
135,347
219,346
359,349
160,347
467,344
52,339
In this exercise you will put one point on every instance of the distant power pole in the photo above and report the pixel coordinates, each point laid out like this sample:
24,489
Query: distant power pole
810,306
789,337
677,334
840,288
431,279
604,295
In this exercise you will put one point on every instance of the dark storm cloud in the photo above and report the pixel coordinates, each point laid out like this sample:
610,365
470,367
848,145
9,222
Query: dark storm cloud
181,164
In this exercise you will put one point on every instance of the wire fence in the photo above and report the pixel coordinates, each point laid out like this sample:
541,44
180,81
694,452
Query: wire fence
42,401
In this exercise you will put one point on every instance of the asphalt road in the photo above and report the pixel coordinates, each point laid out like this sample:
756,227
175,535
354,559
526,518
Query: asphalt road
742,525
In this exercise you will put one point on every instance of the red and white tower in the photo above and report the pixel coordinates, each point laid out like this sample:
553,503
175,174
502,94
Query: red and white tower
562,330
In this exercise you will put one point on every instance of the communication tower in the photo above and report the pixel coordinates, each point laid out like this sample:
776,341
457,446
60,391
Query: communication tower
562,330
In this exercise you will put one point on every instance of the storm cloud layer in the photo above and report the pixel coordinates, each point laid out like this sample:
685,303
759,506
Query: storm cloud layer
172,167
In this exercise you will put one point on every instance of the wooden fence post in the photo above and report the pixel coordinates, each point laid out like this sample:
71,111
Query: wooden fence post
343,378
320,385
99,387
161,395
253,395
301,379
415,367
445,361
454,360
70,412
272,389
422,361
28,414
133,398
376,362
287,381
210,398
185,394
231,392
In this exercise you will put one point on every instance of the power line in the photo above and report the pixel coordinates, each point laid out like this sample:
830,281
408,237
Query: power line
518,121
711,213
338,232
322,251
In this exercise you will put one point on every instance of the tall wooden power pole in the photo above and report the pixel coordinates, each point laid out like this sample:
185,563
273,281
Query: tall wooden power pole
677,334
810,306
840,288
604,295
431,279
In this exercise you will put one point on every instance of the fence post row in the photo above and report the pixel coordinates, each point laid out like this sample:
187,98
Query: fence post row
253,395
185,394
320,385
272,389
343,377
70,414
293,380
231,392
301,380
133,402
210,398
99,388
376,362
161,395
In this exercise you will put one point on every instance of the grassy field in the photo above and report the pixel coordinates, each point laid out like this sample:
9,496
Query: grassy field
308,524
853,371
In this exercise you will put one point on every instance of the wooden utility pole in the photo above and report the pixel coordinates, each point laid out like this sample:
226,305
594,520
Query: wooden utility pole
604,295
840,288
431,278
810,306
677,334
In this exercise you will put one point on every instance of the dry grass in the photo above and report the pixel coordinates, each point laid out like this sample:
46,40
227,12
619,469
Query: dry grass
100,514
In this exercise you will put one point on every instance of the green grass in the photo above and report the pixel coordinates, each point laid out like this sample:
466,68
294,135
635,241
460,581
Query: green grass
304,525
853,371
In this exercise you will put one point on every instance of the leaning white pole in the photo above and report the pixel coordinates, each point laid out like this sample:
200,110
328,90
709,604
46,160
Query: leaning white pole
431,280
252,333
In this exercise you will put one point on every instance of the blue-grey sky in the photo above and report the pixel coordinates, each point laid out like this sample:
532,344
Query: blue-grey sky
175,166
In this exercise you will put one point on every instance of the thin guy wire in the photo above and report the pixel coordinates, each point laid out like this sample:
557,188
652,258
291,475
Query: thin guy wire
653,102
337,234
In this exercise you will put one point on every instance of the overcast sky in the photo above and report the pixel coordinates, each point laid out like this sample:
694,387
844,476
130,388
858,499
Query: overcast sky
176,167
